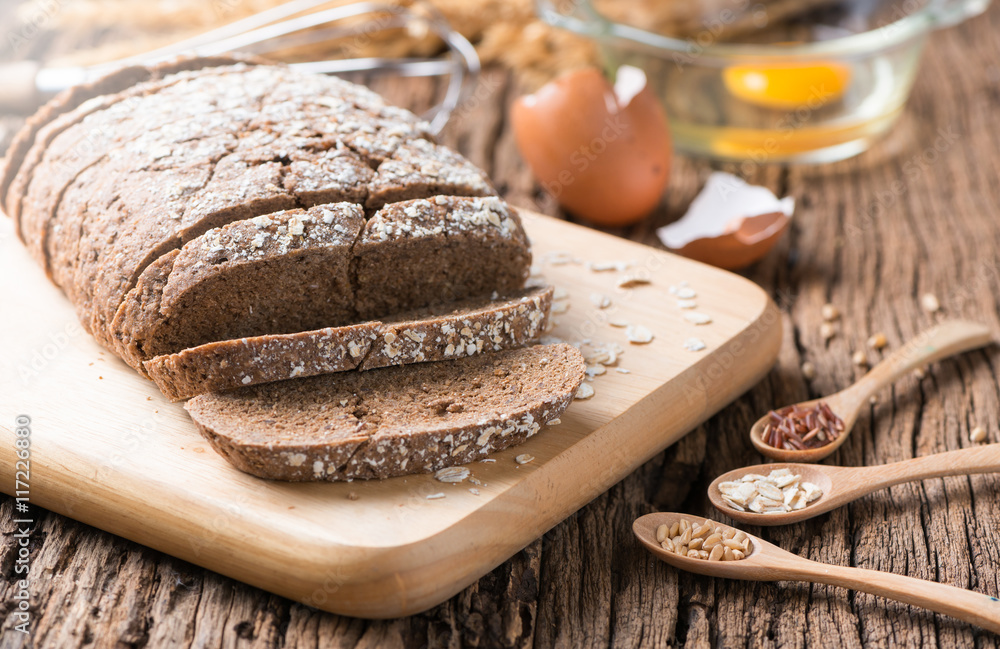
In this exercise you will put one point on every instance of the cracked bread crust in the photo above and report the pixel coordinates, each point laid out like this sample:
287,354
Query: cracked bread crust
86,98
435,334
391,421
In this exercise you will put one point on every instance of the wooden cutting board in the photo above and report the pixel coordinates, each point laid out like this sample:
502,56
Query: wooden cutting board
107,449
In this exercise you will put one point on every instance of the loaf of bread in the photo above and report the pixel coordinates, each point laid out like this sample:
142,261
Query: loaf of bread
224,224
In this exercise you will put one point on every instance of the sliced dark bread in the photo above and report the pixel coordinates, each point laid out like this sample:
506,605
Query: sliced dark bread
434,334
320,270
444,249
461,329
391,421
283,273
231,364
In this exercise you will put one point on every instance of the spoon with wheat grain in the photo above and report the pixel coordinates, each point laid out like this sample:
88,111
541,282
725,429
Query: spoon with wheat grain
940,341
842,485
767,562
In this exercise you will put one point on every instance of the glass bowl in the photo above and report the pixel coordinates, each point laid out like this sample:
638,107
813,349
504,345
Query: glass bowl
771,80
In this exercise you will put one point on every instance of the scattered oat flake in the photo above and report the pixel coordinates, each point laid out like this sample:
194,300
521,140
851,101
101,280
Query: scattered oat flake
559,293
554,422
638,335
352,495
596,370
930,303
452,474
604,266
686,293
585,391
524,458
621,324
600,300
827,331
829,312
694,344
488,460
632,281
859,359
435,496
878,341
808,371
473,491
978,434
622,370
687,304
560,258
560,307
698,318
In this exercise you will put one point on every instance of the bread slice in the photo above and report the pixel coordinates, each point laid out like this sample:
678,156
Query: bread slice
231,364
283,273
435,334
392,421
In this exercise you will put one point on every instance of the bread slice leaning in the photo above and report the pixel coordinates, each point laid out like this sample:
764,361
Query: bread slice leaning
391,421
434,334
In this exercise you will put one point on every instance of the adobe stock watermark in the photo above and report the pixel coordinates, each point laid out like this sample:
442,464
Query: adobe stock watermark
23,524
30,368
912,169
36,16
585,155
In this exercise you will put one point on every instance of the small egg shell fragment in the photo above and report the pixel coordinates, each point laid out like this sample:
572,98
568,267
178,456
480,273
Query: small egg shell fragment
730,224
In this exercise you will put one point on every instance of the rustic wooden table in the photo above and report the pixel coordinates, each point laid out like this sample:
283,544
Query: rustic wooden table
918,214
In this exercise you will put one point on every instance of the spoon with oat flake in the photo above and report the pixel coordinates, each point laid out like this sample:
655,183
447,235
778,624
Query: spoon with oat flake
767,562
838,485
940,341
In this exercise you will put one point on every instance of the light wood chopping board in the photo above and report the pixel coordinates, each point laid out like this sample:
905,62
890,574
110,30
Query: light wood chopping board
107,449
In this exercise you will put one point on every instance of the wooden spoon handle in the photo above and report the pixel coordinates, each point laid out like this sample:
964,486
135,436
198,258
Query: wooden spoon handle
970,606
940,341
968,461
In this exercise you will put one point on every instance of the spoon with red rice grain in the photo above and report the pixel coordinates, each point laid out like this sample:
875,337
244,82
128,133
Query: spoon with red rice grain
812,430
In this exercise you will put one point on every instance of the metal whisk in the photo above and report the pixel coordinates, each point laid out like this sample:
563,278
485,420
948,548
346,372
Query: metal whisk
26,84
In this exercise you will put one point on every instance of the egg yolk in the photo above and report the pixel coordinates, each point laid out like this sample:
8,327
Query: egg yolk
788,87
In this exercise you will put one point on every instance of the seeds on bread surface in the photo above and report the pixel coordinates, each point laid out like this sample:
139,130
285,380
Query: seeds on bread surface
198,150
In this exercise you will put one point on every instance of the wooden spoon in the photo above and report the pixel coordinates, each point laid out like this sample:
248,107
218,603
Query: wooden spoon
842,485
768,562
941,341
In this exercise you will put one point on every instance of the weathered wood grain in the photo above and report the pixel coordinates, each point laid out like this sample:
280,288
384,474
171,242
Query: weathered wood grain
586,583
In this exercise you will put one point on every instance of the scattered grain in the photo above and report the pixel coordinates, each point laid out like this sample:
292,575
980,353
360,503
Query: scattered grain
978,434
686,293
352,495
878,341
631,281
859,359
697,318
585,391
827,331
617,322
694,344
929,303
687,304
452,474
600,300
560,307
638,335
436,496
524,458
830,312
808,371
